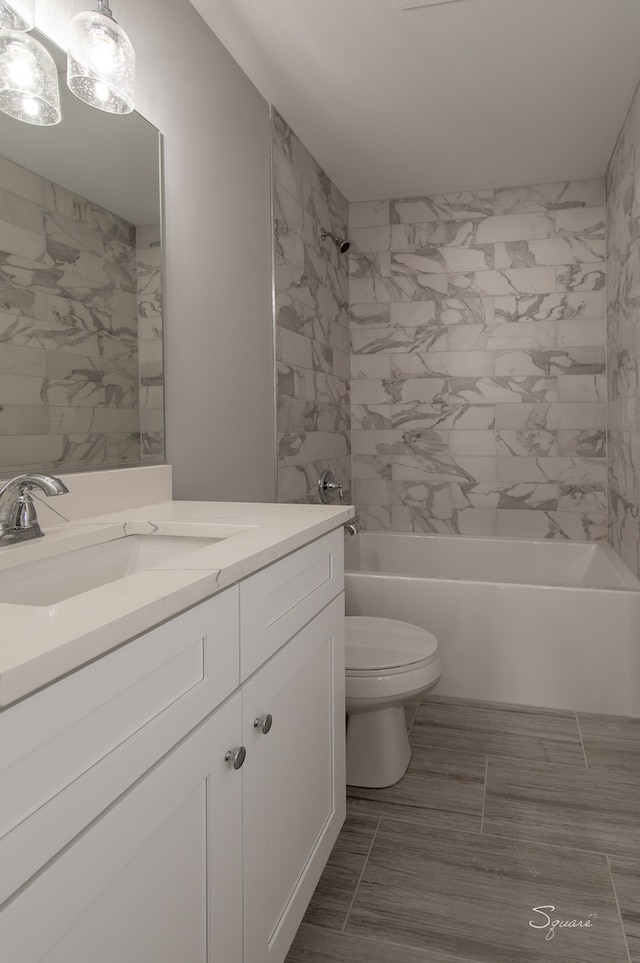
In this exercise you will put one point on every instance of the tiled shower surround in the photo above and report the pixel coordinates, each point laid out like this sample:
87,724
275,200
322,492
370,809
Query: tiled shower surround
478,362
312,322
70,286
623,285
149,289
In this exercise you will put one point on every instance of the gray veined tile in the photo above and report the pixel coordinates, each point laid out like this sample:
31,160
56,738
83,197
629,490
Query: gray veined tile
544,735
515,281
474,309
581,333
20,360
369,265
442,416
515,227
588,221
591,444
523,334
560,196
416,237
626,880
367,467
421,494
468,337
460,206
332,898
436,259
582,498
554,362
16,299
375,417
376,315
611,742
474,898
540,443
583,387
442,468
581,277
538,415
407,314
521,499
550,251
474,443
438,520
500,391
419,340
552,307
440,789
313,944
21,242
592,810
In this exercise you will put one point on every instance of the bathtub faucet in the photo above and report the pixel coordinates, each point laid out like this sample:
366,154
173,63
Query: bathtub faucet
352,527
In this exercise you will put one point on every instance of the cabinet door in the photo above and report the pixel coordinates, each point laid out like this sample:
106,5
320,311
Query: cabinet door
294,781
146,880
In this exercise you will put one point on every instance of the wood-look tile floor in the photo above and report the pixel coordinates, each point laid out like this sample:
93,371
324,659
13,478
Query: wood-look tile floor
507,816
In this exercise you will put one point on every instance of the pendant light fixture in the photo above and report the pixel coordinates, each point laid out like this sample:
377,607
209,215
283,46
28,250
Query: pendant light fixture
17,14
101,61
28,80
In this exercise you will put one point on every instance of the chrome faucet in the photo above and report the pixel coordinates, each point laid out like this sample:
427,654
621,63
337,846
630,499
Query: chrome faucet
18,518
328,486
352,527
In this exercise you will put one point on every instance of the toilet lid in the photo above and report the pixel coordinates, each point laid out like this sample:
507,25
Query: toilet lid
374,643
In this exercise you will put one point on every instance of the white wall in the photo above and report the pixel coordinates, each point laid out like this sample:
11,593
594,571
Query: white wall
218,318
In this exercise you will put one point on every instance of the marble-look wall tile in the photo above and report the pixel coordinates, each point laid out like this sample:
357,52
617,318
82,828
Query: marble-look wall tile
623,329
148,266
478,362
74,281
312,343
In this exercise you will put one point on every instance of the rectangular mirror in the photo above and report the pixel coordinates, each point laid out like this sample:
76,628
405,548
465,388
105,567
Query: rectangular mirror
81,364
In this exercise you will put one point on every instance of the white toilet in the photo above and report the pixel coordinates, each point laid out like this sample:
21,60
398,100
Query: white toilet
387,663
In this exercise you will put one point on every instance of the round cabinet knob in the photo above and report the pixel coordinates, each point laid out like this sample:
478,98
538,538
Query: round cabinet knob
236,757
263,723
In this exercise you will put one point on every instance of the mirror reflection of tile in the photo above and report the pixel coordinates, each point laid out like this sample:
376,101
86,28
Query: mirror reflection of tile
80,330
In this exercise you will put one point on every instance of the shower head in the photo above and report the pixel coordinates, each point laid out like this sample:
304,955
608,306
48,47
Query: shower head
342,245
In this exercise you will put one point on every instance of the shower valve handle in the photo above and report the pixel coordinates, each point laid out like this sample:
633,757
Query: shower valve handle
327,486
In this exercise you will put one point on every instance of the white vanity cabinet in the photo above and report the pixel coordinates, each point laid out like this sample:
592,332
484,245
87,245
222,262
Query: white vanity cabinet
293,781
125,833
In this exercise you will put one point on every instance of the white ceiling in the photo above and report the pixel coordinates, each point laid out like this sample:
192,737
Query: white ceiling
468,95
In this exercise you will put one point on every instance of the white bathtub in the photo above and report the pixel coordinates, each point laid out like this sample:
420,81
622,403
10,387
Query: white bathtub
541,623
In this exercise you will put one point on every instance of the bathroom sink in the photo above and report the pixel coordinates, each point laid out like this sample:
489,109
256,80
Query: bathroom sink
45,581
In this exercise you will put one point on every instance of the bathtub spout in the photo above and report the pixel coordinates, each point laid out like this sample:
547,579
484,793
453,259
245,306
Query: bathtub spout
352,527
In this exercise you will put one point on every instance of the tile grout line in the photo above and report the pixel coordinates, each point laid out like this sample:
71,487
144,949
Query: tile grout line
355,892
615,896
392,944
584,751
413,717
484,794
568,849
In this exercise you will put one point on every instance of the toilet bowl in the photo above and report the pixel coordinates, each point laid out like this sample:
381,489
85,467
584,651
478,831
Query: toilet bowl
387,664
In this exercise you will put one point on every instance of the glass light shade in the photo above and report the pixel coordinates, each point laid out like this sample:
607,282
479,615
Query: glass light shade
28,80
101,63
18,14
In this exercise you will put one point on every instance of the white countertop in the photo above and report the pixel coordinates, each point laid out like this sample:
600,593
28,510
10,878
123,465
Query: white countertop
39,644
